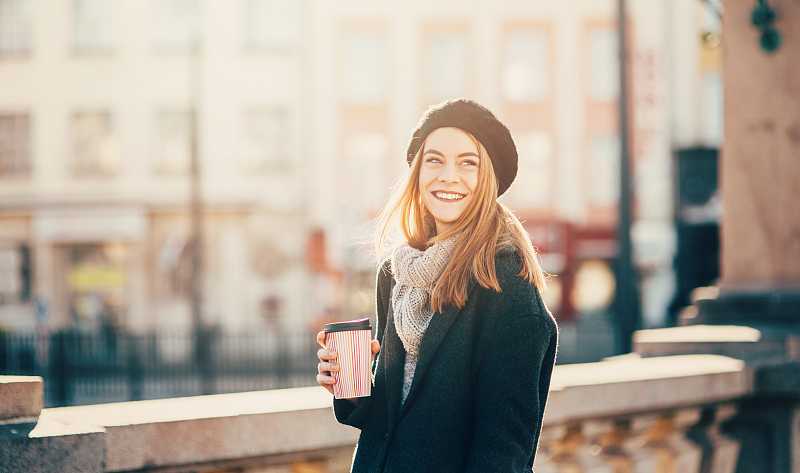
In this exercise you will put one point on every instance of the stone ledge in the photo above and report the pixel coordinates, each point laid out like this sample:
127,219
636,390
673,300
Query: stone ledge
729,340
202,429
20,397
630,385
258,427
50,446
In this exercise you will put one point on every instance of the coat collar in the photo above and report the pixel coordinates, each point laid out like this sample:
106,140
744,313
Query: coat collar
393,361
434,335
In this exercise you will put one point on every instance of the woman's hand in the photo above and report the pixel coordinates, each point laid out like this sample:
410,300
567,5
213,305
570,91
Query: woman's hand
328,363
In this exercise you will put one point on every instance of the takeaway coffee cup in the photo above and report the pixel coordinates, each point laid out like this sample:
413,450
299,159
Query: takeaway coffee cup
351,340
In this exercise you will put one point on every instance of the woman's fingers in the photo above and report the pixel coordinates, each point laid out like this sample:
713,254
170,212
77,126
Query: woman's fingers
376,347
326,382
327,364
326,368
326,355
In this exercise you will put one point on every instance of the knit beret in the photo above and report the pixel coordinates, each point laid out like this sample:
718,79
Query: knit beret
478,121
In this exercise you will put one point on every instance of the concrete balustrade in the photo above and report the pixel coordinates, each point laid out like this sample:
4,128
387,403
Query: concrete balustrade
630,414
655,443
626,414
664,438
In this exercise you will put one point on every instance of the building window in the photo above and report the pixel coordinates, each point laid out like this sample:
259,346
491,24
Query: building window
14,273
93,25
175,266
525,75
94,149
365,155
603,77
364,67
174,131
16,30
15,154
534,188
270,24
267,140
604,151
177,24
446,65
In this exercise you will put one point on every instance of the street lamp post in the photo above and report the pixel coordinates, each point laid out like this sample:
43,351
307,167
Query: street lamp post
626,302
199,332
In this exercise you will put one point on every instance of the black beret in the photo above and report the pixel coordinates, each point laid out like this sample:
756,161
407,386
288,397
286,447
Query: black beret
479,122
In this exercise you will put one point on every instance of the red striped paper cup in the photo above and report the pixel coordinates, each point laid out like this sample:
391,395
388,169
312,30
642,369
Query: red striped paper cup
351,340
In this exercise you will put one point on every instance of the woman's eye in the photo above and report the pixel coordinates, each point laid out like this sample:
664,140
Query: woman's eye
469,162
432,159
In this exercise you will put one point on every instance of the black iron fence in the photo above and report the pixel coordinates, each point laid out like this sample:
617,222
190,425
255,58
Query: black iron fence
80,368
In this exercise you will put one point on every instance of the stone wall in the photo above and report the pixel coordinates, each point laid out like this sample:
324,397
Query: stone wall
655,414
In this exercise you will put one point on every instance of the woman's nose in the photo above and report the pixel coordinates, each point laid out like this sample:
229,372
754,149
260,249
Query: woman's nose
449,173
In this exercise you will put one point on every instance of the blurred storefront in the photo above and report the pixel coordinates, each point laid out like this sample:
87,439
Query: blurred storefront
303,111
96,285
90,252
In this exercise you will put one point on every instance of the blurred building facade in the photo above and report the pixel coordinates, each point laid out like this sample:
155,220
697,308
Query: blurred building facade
304,110
97,98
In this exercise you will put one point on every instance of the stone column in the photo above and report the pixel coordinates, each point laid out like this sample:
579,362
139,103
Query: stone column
759,173
761,156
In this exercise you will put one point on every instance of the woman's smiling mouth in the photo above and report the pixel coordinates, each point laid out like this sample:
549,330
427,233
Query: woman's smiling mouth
448,196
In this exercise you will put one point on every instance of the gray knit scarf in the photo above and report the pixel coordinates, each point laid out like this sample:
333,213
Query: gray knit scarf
415,273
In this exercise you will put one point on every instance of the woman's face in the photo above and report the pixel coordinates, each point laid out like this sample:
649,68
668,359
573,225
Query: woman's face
448,175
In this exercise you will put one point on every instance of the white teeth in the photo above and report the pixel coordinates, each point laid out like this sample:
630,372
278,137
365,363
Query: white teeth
448,196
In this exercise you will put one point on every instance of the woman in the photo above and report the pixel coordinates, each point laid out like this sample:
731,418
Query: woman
465,346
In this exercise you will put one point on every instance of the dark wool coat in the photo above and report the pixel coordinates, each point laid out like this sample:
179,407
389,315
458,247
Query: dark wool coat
479,389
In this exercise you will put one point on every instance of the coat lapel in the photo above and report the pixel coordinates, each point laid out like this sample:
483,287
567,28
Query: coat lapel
394,356
437,329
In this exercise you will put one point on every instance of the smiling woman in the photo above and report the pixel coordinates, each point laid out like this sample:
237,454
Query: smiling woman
448,175
464,345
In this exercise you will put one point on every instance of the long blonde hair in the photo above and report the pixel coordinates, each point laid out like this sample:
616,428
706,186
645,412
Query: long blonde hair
485,226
